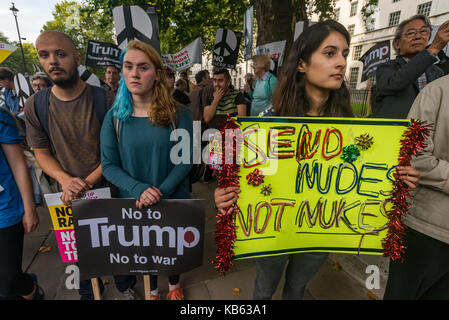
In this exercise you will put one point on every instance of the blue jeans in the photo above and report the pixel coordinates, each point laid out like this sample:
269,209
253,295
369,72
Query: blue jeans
300,269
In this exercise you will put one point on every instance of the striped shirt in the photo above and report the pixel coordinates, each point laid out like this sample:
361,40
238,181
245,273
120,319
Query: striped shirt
229,102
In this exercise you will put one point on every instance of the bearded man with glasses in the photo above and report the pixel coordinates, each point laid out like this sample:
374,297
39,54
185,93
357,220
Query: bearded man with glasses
400,80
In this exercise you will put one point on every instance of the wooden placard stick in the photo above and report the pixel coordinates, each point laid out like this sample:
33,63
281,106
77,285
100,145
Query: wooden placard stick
96,288
146,287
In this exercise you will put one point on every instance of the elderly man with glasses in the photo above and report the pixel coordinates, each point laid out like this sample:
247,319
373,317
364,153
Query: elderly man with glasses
400,80
40,81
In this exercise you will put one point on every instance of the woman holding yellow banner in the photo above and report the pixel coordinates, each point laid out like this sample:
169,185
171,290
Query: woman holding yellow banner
311,85
135,139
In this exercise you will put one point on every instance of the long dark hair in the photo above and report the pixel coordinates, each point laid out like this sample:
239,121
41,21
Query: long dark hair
290,99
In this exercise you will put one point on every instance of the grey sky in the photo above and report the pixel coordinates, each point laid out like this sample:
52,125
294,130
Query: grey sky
32,15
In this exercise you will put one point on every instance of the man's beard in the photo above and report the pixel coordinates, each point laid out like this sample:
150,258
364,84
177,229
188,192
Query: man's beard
67,83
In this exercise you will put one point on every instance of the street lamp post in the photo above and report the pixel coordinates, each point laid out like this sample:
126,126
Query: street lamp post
14,12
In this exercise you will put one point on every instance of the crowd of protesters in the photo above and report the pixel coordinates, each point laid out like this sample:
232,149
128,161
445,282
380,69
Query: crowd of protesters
126,144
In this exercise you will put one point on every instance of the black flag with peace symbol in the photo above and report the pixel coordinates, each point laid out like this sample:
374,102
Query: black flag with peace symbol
136,22
226,48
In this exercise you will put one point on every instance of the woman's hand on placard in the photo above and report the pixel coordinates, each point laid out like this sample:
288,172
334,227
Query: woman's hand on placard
149,197
409,175
225,198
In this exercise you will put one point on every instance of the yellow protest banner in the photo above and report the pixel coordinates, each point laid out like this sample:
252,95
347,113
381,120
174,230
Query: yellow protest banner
61,216
326,185
6,50
62,219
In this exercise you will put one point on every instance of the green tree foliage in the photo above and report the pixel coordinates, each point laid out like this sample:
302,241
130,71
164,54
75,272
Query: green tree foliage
182,21
368,10
277,18
14,61
80,24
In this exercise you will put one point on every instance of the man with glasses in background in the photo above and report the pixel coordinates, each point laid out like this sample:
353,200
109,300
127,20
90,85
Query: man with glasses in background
400,80
40,81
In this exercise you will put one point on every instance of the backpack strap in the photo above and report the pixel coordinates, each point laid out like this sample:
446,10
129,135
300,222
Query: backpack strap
41,105
174,122
117,125
100,102
269,84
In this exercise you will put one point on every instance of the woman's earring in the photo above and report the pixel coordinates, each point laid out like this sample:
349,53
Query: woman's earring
300,66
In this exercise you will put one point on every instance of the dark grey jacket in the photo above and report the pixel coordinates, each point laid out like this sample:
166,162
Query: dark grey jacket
397,84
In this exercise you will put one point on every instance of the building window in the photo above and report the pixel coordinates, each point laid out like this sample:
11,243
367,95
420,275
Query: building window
424,8
351,29
337,14
353,78
394,18
396,1
357,53
353,8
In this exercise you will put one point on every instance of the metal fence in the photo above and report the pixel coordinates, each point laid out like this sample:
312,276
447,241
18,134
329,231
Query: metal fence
360,102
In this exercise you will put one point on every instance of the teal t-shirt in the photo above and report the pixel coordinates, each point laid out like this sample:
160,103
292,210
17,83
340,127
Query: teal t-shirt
262,94
141,159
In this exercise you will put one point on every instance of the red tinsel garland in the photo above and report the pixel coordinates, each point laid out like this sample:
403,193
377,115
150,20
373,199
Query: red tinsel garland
228,177
412,143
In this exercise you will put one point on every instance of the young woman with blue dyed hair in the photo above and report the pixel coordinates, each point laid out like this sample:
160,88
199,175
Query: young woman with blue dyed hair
135,138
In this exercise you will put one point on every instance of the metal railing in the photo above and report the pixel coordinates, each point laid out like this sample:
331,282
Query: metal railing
360,102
